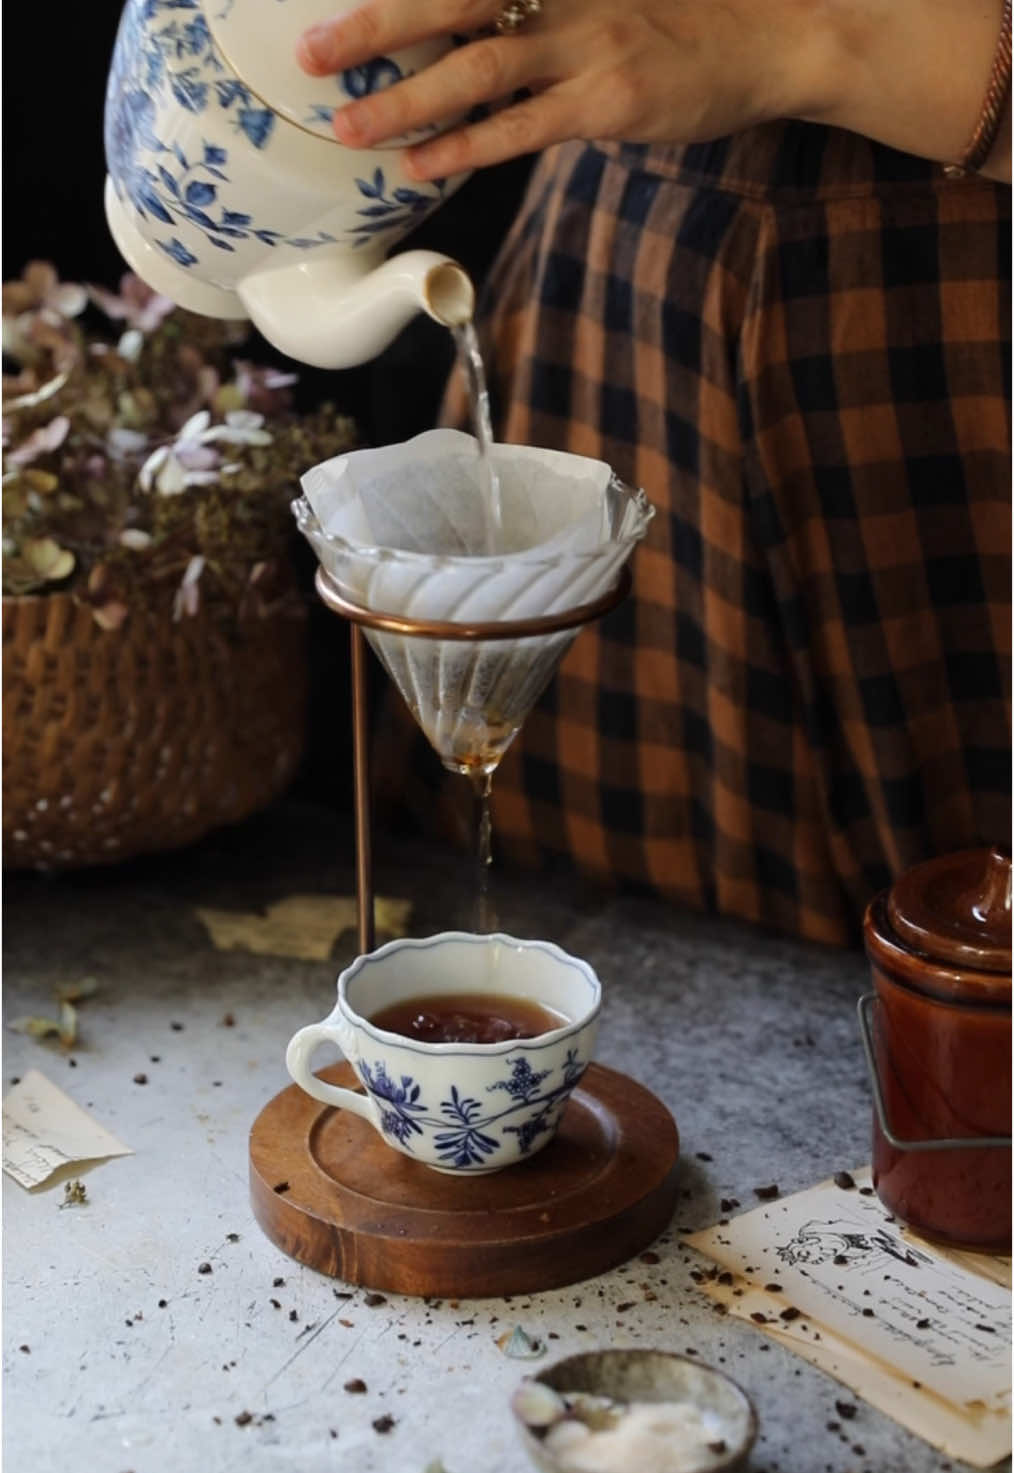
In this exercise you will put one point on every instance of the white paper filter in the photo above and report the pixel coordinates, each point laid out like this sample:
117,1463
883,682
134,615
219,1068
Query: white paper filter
402,530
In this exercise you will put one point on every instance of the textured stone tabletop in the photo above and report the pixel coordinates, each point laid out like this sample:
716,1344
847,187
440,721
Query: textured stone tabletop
155,1329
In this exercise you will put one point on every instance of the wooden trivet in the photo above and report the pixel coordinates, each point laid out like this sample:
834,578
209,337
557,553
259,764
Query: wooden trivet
328,1191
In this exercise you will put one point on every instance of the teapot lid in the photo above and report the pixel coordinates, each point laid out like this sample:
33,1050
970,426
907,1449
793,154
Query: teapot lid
258,40
957,909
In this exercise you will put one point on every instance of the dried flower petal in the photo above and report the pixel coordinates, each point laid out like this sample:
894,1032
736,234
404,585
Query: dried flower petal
46,438
110,615
44,482
136,539
47,558
130,344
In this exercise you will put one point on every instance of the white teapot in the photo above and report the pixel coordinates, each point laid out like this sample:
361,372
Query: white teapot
228,192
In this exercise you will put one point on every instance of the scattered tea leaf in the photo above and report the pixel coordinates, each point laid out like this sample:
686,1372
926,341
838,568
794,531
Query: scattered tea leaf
74,1194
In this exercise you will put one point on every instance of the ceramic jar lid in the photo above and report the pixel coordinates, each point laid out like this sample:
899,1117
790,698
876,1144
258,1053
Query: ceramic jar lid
956,910
258,40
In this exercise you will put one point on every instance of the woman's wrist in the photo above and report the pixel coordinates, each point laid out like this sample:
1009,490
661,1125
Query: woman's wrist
908,73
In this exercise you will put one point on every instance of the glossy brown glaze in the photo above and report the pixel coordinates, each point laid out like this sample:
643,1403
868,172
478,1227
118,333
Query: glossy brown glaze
942,1046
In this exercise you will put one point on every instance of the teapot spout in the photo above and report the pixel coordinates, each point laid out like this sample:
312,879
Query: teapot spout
329,313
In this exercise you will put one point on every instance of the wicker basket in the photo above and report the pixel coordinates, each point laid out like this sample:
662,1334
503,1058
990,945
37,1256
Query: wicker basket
143,738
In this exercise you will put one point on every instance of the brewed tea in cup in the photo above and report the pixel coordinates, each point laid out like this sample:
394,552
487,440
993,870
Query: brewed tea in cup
467,1046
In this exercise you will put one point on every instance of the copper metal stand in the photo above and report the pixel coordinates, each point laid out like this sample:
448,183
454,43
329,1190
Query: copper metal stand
360,617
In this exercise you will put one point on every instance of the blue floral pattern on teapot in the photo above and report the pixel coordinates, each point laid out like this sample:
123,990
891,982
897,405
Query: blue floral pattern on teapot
169,88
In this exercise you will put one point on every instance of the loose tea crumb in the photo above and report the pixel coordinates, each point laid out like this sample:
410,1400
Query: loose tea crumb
278,1283
372,1300
789,1313
845,1180
703,1156
293,1315
243,1418
766,1194
232,1237
384,1423
356,1386
282,1186
140,1079
204,1268
846,1410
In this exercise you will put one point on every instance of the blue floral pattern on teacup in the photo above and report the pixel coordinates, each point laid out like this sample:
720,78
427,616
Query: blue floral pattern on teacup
463,1132
165,62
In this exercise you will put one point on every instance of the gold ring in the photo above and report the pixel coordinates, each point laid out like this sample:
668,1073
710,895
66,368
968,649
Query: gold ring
514,15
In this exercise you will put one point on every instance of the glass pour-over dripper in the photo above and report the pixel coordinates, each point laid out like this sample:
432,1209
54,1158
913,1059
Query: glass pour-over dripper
405,532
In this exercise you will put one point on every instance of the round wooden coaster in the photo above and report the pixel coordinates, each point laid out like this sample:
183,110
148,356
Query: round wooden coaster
328,1191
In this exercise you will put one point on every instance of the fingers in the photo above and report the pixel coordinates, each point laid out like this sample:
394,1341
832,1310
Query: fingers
526,127
480,72
382,26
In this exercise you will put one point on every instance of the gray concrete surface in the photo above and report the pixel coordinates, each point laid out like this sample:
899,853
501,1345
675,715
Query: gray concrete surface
121,1356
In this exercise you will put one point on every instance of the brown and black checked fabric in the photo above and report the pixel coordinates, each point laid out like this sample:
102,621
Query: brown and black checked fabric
798,343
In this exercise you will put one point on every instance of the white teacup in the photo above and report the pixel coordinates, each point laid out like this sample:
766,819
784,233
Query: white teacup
463,1108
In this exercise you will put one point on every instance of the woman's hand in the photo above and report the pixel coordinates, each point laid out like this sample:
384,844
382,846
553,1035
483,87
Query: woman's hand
640,70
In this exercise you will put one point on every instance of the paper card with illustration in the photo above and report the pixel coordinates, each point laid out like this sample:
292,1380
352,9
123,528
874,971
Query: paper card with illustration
840,1259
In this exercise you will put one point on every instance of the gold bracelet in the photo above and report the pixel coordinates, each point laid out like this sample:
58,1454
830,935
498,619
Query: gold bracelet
980,145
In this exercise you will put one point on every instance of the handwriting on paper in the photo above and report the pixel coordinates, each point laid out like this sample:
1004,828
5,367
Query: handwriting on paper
841,1259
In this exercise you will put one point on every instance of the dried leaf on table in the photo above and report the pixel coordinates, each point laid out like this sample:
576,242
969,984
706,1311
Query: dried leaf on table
77,991
301,926
64,1028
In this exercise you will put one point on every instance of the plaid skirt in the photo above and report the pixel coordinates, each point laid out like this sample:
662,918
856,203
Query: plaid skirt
798,343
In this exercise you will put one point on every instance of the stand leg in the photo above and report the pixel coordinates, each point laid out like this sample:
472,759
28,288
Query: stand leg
361,760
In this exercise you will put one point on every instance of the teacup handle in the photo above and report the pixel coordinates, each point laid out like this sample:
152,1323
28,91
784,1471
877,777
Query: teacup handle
297,1061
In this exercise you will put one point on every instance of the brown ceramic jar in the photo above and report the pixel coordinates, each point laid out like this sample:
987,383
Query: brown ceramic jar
939,944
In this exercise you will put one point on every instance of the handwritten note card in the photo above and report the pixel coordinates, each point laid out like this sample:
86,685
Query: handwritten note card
45,1131
913,1329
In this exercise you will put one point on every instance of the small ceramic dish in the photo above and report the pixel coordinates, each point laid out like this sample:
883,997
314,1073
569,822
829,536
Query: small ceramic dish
626,1409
